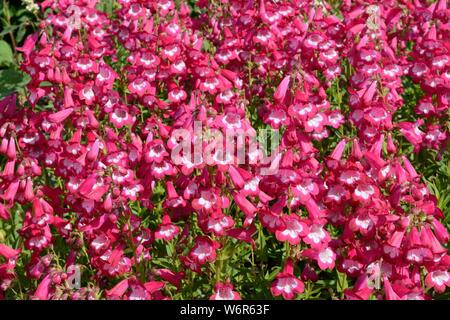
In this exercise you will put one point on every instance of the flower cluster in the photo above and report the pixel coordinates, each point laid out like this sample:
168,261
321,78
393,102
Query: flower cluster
88,168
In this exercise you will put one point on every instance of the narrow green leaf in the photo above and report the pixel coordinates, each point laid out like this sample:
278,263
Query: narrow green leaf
12,81
6,54
8,29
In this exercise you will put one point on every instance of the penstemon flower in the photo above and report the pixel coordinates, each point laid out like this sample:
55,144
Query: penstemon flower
136,151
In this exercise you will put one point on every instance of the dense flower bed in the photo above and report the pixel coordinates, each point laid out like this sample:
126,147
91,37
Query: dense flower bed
92,193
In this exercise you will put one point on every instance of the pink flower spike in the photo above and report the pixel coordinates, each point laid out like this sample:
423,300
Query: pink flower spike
11,152
7,252
4,213
338,150
68,100
118,290
93,152
389,292
440,231
396,239
43,290
246,206
409,167
281,90
60,116
236,177
29,44
370,92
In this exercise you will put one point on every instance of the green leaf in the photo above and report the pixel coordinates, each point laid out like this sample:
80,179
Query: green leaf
21,12
6,54
341,283
270,276
12,81
21,33
8,29
45,84
107,6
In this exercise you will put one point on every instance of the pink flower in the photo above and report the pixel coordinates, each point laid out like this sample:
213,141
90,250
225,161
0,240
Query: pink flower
286,284
88,149
281,90
166,230
224,291
324,256
294,229
60,116
204,250
246,206
43,290
120,117
219,224
438,280
140,87
361,290
317,237
7,252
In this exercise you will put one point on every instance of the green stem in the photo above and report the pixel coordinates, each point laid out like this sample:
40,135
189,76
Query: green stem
8,20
